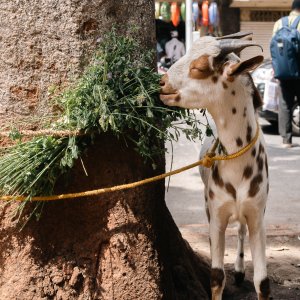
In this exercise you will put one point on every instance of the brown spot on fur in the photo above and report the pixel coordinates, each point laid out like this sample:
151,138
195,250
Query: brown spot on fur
217,277
268,188
239,142
218,64
267,167
261,149
245,111
264,288
260,163
231,190
230,78
254,185
208,215
216,177
222,149
256,98
233,93
200,68
241,255
253,152
257,158
234,110
215,79
249,134
211,194
248,172
225,86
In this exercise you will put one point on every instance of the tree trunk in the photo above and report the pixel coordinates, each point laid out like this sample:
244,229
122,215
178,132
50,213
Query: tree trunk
122,245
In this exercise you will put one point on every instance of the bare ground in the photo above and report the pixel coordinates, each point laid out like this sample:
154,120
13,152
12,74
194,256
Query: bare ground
283,254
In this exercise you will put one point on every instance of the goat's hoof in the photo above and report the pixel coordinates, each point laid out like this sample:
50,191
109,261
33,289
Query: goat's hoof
239,278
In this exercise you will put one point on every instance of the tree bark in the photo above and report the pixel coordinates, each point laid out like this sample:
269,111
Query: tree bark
122,245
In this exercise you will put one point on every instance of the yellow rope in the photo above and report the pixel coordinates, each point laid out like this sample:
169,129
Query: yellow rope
207,162
43,132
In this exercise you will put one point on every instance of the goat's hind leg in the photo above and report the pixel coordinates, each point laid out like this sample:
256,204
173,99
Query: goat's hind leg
239,265
257,240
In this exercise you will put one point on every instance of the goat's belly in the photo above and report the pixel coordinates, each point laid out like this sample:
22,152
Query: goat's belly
230,211
239,211
237,218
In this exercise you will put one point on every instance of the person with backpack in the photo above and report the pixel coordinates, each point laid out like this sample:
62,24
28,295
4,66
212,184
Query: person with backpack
285,52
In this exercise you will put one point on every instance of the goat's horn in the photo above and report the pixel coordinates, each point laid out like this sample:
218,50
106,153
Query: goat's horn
237,35
236,46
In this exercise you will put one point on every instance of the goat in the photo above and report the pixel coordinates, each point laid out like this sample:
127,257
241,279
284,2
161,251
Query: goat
212,76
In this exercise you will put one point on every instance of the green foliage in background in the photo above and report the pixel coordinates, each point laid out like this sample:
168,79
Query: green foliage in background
118,93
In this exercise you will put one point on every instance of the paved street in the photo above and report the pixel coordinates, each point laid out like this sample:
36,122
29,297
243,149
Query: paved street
186,202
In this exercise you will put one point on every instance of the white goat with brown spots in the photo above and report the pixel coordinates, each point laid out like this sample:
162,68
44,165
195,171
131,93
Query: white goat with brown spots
212,76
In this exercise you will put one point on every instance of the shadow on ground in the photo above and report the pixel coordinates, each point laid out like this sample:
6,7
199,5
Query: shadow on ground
247,292
283,263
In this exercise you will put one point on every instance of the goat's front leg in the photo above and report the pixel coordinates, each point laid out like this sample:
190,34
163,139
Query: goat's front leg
257,240
217,248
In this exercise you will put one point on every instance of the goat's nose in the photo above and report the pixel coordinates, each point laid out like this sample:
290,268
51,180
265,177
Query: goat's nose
163,80
162,83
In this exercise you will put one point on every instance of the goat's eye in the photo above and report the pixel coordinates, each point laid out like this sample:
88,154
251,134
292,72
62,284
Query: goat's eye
199,69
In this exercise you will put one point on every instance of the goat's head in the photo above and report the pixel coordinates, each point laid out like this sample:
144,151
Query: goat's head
211,64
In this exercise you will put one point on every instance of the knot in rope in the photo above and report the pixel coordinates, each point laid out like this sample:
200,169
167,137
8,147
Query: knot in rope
208,159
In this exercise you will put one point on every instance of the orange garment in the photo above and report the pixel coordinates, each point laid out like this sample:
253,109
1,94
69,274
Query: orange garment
205,18
175,14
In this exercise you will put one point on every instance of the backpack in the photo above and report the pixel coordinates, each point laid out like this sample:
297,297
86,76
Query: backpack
285,51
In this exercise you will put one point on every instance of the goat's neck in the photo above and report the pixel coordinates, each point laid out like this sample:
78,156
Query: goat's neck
234,115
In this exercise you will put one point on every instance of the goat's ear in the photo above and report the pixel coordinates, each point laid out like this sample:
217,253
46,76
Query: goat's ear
245,66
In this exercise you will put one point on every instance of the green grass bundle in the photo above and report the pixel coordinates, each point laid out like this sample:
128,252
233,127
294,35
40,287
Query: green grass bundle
117,93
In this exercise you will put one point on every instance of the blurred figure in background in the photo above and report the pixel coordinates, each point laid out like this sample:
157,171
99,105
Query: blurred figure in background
174,48
159,51
282,59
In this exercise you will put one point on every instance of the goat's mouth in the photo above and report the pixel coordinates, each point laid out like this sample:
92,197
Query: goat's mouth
168,95
169,98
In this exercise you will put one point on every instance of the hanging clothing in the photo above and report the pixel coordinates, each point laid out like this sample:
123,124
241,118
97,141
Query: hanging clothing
195,12
205,16
175,14
213,13
157,10
183,11
165,11
174,49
